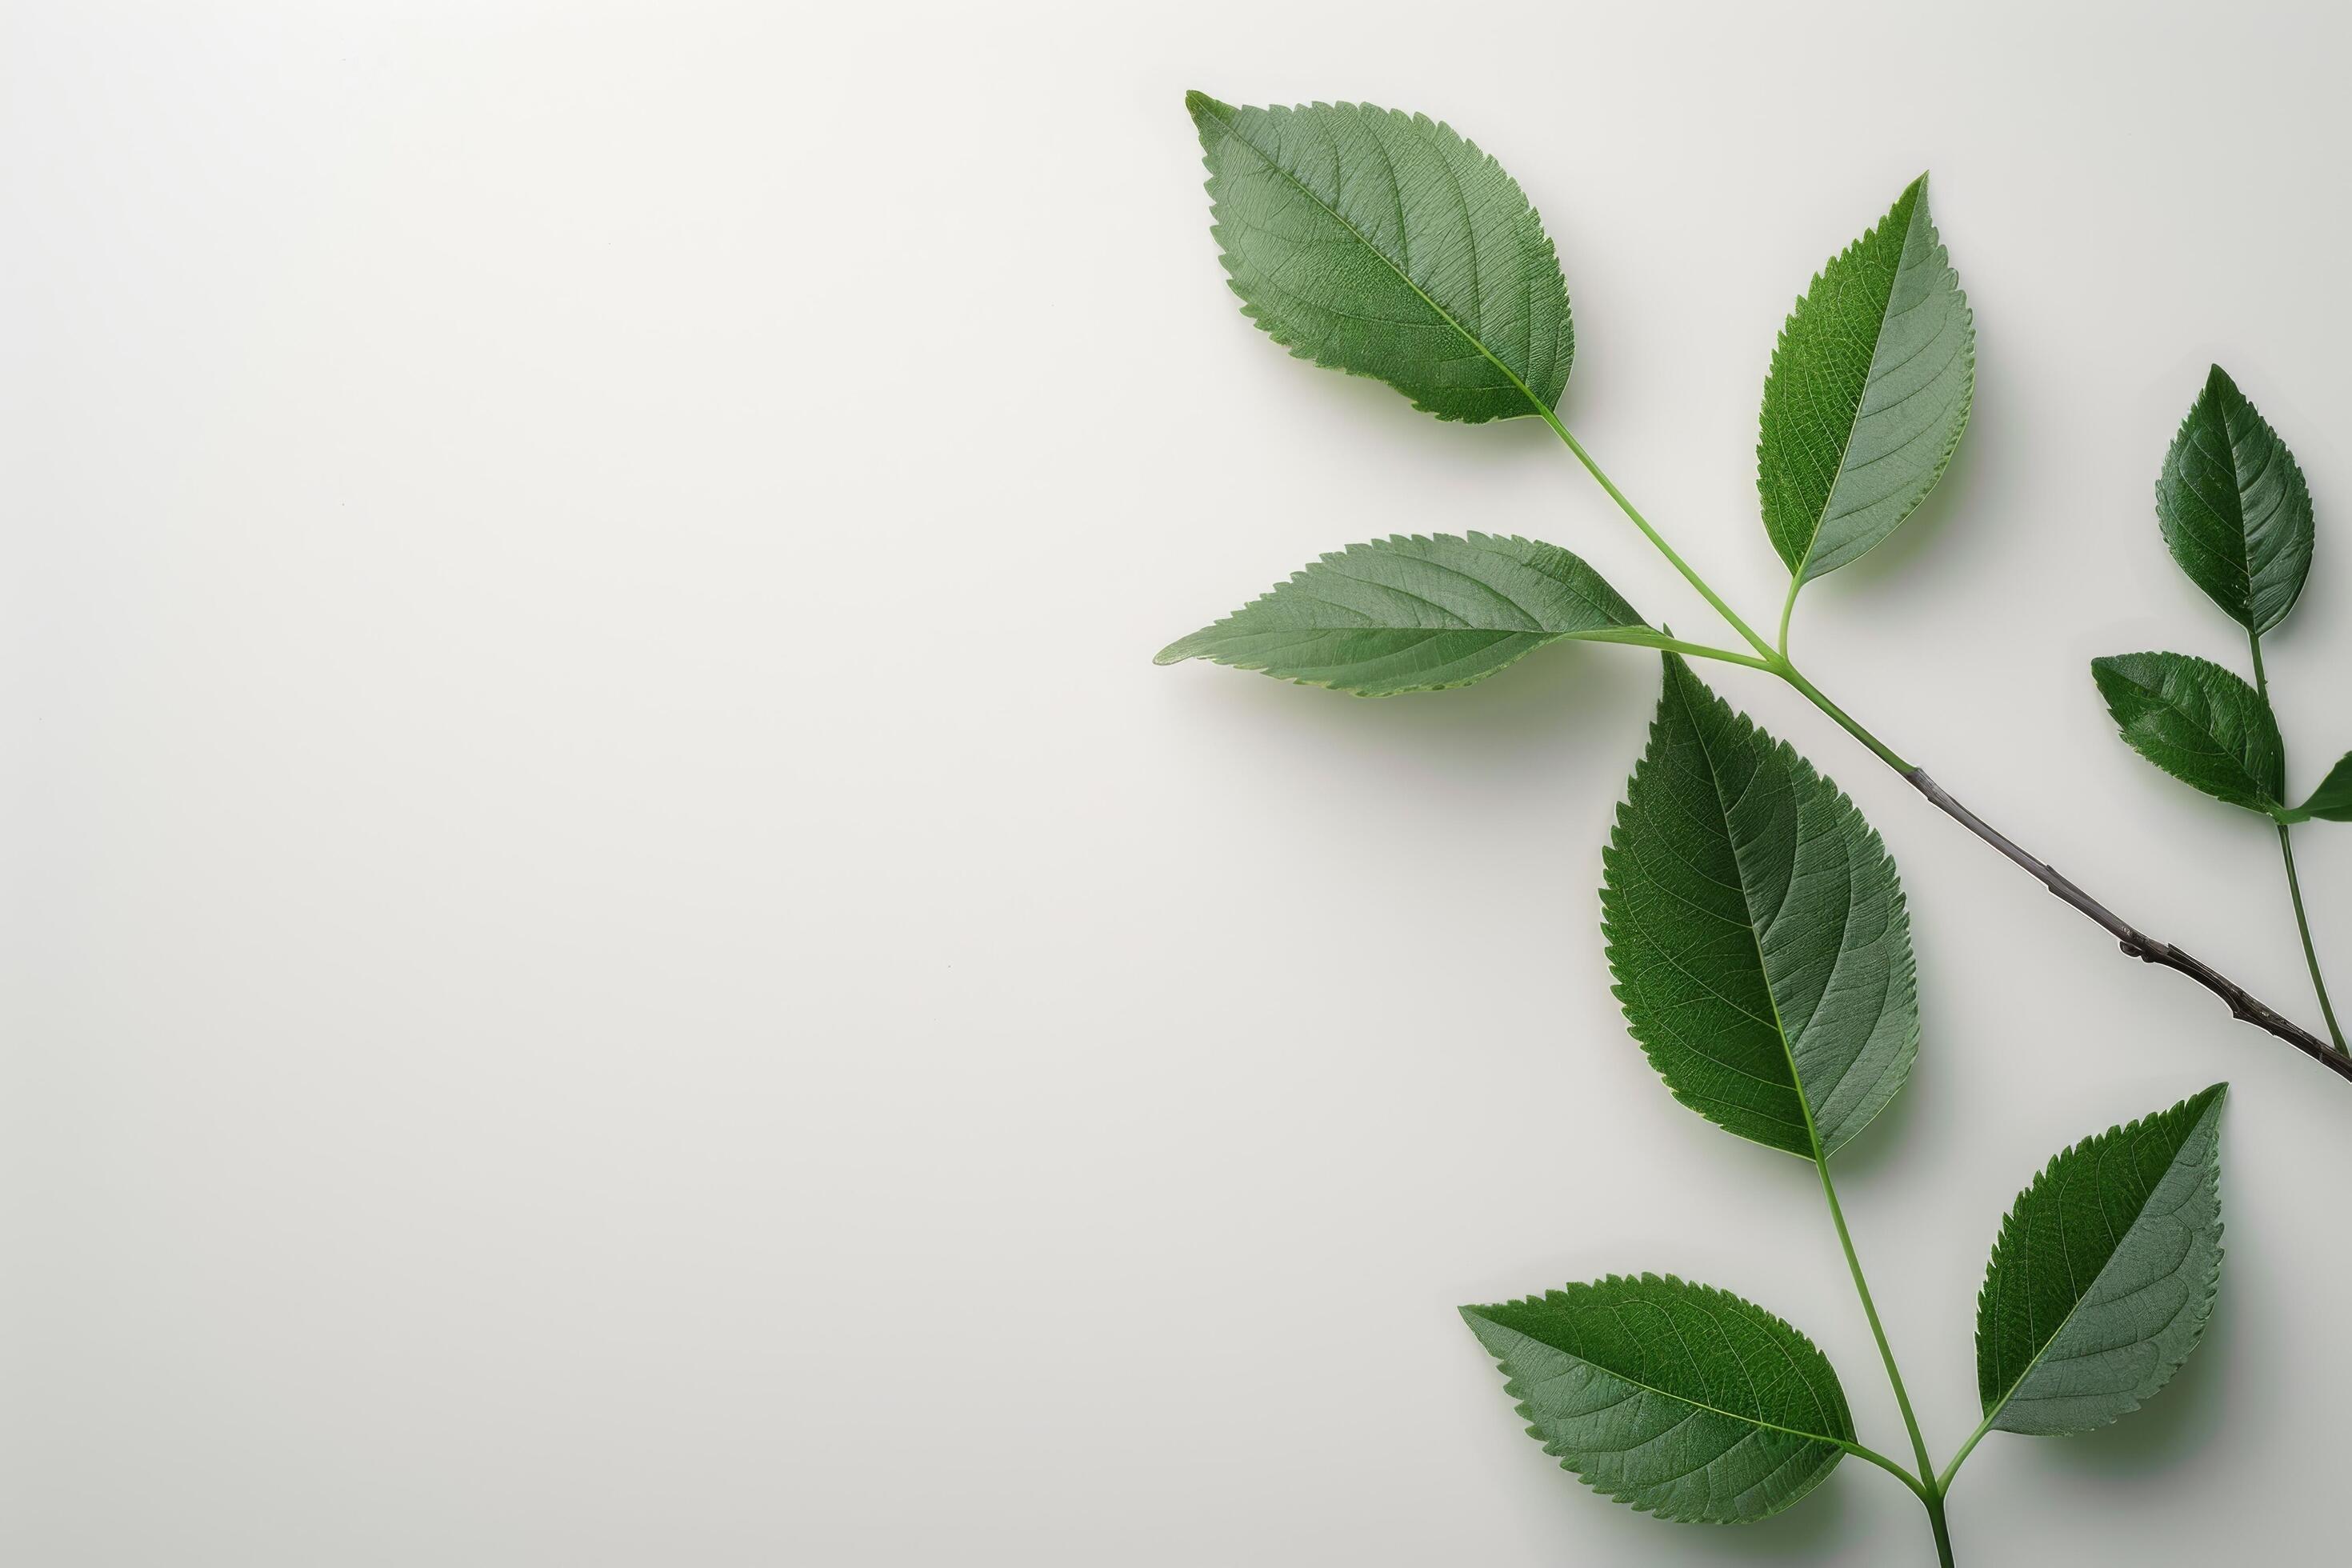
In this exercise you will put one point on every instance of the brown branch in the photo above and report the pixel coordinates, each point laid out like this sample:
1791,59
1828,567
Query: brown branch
2138,943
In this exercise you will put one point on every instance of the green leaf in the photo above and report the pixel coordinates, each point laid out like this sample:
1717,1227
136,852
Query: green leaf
2104,1275
1681,1401
1415,614
1384,244
1757,931
2235,511
1868,393
2199,722
2333,798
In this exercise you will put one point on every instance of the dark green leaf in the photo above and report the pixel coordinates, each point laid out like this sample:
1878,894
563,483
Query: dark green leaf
2234,509
1414,613
1384,244
1869,391
2332,799
1757,931
1683,1401
2199,722
2105,1274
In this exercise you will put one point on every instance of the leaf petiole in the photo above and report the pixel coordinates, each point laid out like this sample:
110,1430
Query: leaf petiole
1944,1482
1653,536
1919,1490
1639,637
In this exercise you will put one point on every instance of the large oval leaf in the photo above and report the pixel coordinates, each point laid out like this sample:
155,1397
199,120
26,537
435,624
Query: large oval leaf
2198,721
1384,244
2233,507
1757,931
1868,393
1681,1401
1413,614
2105,1274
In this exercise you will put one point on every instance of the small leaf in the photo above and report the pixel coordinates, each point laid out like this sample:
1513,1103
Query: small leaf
2198,721
1415,614
1681,1401
2235,511
1868,393
1757,931
2333,798
1384,244
2104,1274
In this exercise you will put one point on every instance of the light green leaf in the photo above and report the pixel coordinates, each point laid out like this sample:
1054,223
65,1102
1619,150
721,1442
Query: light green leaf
2333,798
2198,721
1757,931
1681,1401
2235,511
1384,244
1415,614
2104,1274
1868,393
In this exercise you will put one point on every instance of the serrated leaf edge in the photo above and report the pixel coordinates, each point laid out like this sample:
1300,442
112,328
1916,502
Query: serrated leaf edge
1197,103
2219,384
1177,652
1800,568
2269,806
2204,1302
1519,1397
1615,851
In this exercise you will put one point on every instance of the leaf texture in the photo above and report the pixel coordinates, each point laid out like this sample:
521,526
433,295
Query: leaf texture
1384,244
2333,798
2105,1274
1415,614
1870,388
1757,931
2198,721
2234,509
1683,1401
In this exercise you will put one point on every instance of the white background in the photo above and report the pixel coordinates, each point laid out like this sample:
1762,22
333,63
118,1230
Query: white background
616,954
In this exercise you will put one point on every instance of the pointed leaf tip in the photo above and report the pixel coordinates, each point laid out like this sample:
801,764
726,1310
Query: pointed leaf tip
2080,1323
1415,613
1869,391
2234,509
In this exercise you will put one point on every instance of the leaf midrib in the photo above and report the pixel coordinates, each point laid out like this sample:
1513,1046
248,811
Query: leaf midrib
1763,967
1363,240
1756,1421
2043,1349
1854,427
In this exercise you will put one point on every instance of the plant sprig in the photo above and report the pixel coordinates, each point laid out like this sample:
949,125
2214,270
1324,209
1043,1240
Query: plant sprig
1385,245
1758,934
2236,514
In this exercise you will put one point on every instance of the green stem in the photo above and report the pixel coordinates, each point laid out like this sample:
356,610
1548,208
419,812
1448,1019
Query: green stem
1944,1482
1652,535
1772,658
2293,883
1929,1493
1878,1331
2310,954
1934,1503
1846,722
